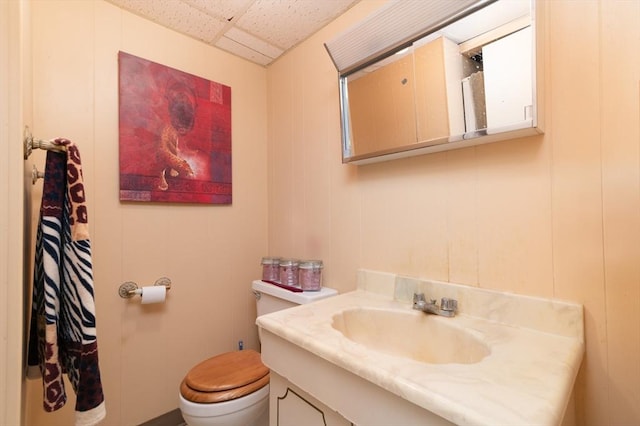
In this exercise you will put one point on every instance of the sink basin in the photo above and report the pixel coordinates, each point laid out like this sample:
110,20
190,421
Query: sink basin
411,334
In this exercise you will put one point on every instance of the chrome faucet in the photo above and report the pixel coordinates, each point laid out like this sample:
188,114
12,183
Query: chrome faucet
447,308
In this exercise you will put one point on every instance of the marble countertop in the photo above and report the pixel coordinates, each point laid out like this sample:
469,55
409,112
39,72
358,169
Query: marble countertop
526,379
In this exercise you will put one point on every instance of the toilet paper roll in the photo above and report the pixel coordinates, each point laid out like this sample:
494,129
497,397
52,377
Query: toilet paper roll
153,294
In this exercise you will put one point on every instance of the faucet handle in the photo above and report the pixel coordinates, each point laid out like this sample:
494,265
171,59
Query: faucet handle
418,301
447,304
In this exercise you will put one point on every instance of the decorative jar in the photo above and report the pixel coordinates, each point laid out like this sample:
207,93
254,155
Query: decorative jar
271,268
289,272
311,275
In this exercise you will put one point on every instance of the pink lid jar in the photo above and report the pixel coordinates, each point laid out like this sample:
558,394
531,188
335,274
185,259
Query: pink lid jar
311,275
270,268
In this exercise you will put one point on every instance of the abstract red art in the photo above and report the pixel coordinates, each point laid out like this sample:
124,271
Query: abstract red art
175,135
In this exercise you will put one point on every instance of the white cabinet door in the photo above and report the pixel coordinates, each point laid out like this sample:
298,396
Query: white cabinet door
291,406
507,79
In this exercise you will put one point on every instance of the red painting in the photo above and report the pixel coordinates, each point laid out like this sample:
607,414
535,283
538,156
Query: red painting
175,135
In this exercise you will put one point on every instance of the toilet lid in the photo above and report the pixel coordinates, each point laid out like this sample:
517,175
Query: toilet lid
225,377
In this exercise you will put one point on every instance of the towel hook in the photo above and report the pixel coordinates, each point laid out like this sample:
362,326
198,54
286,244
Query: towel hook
35,175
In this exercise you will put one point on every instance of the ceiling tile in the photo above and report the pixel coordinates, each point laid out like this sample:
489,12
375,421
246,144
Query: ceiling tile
186,19
286,23
254,43
258,30
223,9
243,51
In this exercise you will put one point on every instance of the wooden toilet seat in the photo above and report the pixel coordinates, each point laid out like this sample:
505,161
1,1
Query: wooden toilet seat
225,377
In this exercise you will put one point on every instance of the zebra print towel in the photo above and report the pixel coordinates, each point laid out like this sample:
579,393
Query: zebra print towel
63,327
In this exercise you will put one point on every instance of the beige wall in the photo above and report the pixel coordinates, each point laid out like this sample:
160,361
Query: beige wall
211,253
15,110
556,215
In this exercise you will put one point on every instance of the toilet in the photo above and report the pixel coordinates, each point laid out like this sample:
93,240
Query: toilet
232,389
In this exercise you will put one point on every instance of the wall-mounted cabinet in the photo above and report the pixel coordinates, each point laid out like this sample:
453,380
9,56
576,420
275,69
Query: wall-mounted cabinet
467,77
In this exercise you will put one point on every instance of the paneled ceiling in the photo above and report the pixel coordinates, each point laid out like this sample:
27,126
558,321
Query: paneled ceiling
257,30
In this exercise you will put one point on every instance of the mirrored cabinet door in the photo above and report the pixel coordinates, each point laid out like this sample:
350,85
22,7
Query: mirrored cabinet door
382,106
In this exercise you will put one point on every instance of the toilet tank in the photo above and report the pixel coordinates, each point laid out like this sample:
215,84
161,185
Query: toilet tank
271,298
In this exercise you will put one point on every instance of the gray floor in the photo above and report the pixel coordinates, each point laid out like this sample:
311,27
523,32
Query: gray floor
172,418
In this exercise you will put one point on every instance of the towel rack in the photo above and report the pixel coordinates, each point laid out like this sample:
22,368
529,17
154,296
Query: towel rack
30,144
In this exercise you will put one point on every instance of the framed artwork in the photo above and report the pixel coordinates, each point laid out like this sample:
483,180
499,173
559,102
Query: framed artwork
175,135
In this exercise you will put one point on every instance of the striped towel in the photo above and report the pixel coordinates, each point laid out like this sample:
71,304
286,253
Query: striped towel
63,327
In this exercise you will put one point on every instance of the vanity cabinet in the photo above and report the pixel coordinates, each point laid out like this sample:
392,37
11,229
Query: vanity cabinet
330,351
291,406
316,385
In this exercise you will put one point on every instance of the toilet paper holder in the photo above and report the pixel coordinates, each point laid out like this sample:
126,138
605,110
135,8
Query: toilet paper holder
130,289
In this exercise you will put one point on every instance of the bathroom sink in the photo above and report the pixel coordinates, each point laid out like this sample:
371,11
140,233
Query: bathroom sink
503,359
411,334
